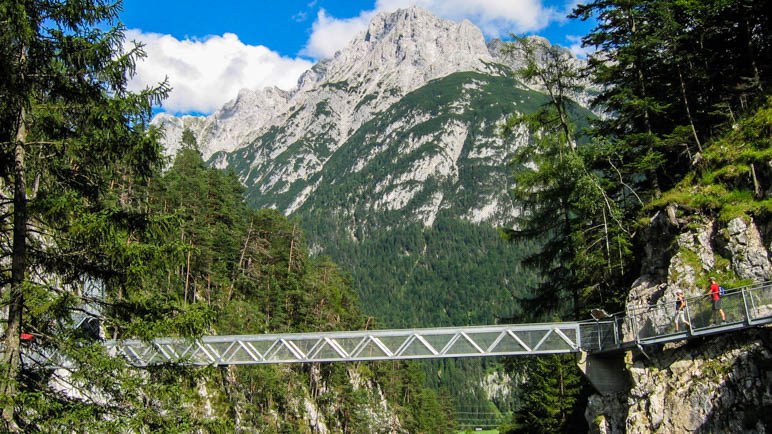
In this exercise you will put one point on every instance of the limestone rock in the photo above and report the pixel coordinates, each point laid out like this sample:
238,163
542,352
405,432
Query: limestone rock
399,52
719,386
749,256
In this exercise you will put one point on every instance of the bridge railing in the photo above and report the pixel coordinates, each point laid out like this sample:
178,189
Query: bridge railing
743,306
603,334
757,300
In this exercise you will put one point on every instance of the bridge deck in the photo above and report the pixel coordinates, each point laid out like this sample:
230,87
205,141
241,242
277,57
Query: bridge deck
745,307
348,346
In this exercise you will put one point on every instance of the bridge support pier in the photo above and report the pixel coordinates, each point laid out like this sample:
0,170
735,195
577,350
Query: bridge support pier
606,373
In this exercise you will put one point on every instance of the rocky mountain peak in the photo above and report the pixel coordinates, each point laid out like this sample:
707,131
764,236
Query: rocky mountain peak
398,53
411,104
406,48
233,124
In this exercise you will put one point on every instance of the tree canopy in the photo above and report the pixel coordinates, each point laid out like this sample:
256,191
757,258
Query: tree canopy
683,86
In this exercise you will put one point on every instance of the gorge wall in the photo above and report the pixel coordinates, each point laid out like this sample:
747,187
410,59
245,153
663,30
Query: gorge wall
720,383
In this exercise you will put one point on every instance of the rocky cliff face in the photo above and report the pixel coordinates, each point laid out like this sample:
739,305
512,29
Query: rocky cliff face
720,384
310,404
237,122
716,384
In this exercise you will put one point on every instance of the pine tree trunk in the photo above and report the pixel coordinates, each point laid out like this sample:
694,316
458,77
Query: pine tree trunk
187,274
292,247
686,107
567,231
12,353
643,91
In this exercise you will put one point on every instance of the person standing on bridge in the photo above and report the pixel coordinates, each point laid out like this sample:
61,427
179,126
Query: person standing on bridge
715,294
680,316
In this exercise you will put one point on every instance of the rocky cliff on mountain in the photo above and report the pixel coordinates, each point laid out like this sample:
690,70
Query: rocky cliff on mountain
237,122
310,405
719,383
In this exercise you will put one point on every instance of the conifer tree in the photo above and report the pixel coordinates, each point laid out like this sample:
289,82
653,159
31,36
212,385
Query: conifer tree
549,397
674,74
564,205
77,244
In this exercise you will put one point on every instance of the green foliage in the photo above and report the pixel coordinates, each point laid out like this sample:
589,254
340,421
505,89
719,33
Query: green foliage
731,180
550,396
420,409
564,205
675,74
94,232
667,141
254,270
454,273
77,155
549,67
188,140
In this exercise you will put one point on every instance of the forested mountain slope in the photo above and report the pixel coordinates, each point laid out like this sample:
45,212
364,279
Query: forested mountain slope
384,155
253,270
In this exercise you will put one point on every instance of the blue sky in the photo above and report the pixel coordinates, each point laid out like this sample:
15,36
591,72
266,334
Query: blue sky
211,49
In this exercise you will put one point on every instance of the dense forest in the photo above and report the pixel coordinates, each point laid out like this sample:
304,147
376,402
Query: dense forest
253,270
685,91
95,225
103,238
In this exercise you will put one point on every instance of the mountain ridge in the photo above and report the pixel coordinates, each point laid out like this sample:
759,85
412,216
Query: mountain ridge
280,142
368,65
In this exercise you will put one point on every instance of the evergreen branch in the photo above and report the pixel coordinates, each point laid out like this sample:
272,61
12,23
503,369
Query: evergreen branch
622,181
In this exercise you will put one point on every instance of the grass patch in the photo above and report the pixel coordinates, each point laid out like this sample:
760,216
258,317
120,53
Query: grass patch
729,181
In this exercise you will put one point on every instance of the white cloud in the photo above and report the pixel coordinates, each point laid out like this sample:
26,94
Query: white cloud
330,34
576,47
495,18
300,16
206,73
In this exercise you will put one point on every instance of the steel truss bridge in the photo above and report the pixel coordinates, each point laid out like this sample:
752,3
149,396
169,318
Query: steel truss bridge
745,307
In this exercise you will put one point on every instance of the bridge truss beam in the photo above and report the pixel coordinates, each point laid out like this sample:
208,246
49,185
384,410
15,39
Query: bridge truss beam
350,346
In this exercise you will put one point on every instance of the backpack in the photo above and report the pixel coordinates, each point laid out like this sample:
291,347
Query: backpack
679,306
721,291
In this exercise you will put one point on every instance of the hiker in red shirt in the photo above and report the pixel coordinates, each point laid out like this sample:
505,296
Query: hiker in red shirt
716,296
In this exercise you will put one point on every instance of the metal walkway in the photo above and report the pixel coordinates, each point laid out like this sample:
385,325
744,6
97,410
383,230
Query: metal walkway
350,346
745,307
